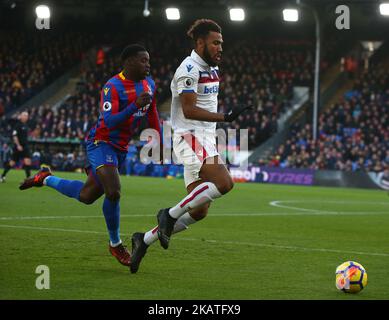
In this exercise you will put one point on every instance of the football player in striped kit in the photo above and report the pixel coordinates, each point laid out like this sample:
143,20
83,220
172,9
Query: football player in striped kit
194,115
126,98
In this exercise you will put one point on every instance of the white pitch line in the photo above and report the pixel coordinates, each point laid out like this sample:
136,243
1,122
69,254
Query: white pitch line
277,203
311,213
51,229
258,214
69,217
292,247
295,248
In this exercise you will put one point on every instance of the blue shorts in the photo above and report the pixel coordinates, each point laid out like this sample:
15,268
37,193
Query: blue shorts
103,154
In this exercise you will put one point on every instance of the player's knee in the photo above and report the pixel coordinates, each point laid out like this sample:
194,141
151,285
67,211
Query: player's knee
200,213
225,186
113,195
86,198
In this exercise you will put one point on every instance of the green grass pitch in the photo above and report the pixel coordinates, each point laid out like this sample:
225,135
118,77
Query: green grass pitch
258,242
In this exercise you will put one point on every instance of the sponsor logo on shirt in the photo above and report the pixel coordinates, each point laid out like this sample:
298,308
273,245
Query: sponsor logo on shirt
213,89
142,111
109,158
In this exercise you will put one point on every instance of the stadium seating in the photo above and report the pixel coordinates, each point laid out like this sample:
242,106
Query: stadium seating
31,61
268,87
260,73
353,133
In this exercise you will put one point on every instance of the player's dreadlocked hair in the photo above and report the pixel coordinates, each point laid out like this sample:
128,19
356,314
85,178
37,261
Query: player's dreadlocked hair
201,27
131,50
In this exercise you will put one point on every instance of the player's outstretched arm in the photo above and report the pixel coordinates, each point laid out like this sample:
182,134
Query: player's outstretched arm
191,111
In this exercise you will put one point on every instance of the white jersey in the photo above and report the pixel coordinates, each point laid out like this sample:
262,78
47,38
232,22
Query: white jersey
194,75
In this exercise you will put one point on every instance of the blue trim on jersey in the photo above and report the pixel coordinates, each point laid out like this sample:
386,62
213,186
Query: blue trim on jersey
187,91
112,120
119,88
114,136
108,96
136,122
132,108
138,88
92,133
123,98
204,72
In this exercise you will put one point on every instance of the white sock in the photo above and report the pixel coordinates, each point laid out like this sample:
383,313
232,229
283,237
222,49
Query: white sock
151,236
115,244
44,180
181,224
202,194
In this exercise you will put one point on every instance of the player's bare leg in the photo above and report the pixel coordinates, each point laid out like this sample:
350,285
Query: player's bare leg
91,191
110,181
141,241
215,171
87,192
217,182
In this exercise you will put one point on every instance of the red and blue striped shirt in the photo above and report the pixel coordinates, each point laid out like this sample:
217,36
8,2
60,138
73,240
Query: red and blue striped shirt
119,117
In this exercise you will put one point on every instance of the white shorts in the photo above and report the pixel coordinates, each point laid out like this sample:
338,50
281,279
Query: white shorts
191,151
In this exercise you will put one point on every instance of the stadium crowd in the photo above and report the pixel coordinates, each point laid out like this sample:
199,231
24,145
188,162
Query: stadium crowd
353,134
73,118
263,74
31,61
267,86
259,73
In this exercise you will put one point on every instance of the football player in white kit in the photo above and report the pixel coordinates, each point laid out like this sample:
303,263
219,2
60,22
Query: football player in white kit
194,116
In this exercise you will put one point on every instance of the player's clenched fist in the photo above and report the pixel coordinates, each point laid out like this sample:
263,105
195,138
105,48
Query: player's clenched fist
143,100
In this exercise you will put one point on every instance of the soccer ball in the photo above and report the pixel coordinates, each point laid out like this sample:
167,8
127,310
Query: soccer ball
351,277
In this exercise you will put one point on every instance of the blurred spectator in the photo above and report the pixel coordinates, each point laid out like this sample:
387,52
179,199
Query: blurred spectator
31,61
353,135
258,72
5,153
263,74
100,57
